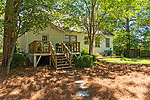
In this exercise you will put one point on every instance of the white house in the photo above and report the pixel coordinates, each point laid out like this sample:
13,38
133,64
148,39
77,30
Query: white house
30,42
57,35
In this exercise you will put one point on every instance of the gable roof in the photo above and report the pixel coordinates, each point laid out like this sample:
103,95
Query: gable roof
79,31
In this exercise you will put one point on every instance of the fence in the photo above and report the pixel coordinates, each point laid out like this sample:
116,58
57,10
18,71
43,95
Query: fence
137,52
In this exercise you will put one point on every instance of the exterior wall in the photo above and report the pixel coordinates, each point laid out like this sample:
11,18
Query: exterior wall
21,42
54,35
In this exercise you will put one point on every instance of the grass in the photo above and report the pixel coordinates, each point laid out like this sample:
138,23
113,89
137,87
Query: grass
129,61
1,52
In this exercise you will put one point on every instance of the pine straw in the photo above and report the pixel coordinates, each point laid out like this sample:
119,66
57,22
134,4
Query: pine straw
105,82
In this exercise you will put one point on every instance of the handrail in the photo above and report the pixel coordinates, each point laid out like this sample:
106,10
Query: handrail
73,46
67,52
53,53
39,47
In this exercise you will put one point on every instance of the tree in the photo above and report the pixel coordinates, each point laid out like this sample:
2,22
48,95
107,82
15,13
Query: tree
23,15
127,19
89,16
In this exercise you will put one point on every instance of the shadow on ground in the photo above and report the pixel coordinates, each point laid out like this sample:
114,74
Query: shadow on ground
105,82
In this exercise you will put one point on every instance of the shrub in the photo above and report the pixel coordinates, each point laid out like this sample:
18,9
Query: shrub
113,54
18,60
84,51
95,63
95,55
83,61
108,52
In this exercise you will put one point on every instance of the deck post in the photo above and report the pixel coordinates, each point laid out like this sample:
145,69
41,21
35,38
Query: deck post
50,60
56,61
34,57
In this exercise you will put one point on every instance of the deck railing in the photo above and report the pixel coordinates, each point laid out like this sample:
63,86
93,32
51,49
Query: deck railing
73,46
53,57
67,52
39,47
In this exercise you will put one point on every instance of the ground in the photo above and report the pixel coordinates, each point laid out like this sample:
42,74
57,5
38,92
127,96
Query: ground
106,82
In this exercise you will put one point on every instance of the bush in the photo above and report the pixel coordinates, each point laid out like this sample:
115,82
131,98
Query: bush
107,52
83,61
84,51
95,55
95,63
18,60
113,54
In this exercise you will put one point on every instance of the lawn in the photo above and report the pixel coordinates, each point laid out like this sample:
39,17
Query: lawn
135,61
105,82
1,52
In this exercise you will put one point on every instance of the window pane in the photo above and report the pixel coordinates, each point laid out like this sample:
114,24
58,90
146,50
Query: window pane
86,40
97,42
44,38
108,42
67,38
70,38
73,38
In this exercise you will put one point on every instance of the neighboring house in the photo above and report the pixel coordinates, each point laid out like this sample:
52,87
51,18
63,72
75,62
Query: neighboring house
57,36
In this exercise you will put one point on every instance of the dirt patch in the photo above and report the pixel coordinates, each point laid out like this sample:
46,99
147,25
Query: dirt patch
106,82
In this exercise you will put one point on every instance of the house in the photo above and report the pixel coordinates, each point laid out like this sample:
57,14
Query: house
53,41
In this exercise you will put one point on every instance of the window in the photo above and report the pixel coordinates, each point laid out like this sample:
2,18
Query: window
45,38
86,40
73,38
70,38
97,41
107,42
67,38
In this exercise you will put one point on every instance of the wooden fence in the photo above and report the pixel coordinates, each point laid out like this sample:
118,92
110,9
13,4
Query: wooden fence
139,53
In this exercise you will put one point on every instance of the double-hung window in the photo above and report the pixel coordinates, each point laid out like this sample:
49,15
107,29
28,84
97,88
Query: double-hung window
86,40
70,38
97,42
107,42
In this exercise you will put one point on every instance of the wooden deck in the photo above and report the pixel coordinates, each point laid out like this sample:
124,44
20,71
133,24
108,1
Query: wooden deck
39,47
58,60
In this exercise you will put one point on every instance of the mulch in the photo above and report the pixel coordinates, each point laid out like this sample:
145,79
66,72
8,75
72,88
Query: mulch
107,81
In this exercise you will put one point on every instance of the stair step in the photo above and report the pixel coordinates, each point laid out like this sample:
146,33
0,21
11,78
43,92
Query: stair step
64,67
60,54
61,62
59,65
62,59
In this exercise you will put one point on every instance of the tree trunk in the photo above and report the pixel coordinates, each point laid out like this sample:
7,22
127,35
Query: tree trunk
7,32
92,28
128,37
11,55
91,48
10,34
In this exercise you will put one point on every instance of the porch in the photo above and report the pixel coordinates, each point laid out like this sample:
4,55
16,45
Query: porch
60,56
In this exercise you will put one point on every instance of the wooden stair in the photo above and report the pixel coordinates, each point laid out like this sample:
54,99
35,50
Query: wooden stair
62,62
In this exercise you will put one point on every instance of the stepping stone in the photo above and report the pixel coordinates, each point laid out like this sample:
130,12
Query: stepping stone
80,81
82,94
82,86
70,74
